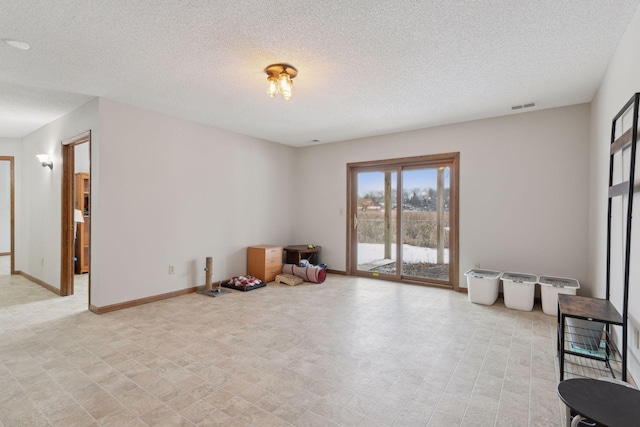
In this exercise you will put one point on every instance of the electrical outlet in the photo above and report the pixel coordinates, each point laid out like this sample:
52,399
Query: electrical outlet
172,269
476,265
636,338
341,212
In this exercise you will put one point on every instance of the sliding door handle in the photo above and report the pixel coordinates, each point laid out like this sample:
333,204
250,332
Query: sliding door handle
355,221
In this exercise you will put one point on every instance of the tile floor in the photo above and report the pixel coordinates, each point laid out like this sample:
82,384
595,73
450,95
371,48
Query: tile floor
349,352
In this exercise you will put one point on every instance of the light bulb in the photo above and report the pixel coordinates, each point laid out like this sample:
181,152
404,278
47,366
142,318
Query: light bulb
284,82
286,85
272,86
286,93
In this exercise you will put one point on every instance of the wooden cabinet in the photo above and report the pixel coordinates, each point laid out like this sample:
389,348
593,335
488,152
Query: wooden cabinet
264,262
82,189
295,253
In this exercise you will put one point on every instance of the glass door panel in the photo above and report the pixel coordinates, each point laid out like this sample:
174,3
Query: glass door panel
375,220
425,223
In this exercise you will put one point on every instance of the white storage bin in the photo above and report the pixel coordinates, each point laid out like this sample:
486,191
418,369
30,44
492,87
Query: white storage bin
482,286
550,287
519,289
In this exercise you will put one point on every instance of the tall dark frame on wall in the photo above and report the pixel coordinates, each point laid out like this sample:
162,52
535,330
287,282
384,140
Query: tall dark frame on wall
445,160
623,137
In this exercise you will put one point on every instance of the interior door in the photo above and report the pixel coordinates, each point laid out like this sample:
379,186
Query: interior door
68,217
7,207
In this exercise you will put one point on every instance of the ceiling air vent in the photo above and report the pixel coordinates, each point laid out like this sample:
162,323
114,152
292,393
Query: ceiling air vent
520,107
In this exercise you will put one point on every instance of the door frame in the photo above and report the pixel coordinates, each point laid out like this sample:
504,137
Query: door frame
11,161
453,160
67,206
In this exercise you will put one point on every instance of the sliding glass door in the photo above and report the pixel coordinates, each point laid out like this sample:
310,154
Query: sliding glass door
403,219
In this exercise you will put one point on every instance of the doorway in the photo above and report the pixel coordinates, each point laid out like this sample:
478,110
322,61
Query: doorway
7,215
76,216
404,219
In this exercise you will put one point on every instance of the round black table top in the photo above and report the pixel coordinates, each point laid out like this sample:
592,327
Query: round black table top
608,404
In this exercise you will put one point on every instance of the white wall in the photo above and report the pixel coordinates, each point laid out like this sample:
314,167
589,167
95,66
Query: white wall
81,161
621,81
38,245
174,192
9,147
523,189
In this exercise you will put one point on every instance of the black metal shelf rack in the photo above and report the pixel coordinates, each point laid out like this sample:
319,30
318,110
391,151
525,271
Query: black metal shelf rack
604,359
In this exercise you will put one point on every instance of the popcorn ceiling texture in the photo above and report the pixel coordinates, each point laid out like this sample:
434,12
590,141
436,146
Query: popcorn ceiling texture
366,67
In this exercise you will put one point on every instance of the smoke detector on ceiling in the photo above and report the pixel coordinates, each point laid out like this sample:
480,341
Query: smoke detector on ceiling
523,106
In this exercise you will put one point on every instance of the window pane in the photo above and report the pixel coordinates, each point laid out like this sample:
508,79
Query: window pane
425,223
376,235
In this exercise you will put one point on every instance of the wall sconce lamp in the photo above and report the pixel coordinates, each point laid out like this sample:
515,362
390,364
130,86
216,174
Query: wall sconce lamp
45,159
77,216
279,80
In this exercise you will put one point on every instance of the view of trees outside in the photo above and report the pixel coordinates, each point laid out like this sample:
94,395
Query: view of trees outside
419,223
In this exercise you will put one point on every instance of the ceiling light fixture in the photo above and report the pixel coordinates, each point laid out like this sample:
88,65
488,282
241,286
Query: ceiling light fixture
280,80
17,44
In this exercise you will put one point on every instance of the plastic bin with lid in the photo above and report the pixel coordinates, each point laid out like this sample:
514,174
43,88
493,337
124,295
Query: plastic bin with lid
550,287
519,289
482,286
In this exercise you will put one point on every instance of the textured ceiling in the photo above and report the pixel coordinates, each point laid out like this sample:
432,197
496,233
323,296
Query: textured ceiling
366,67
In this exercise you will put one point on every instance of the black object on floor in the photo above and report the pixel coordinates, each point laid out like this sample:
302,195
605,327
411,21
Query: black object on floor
244,288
